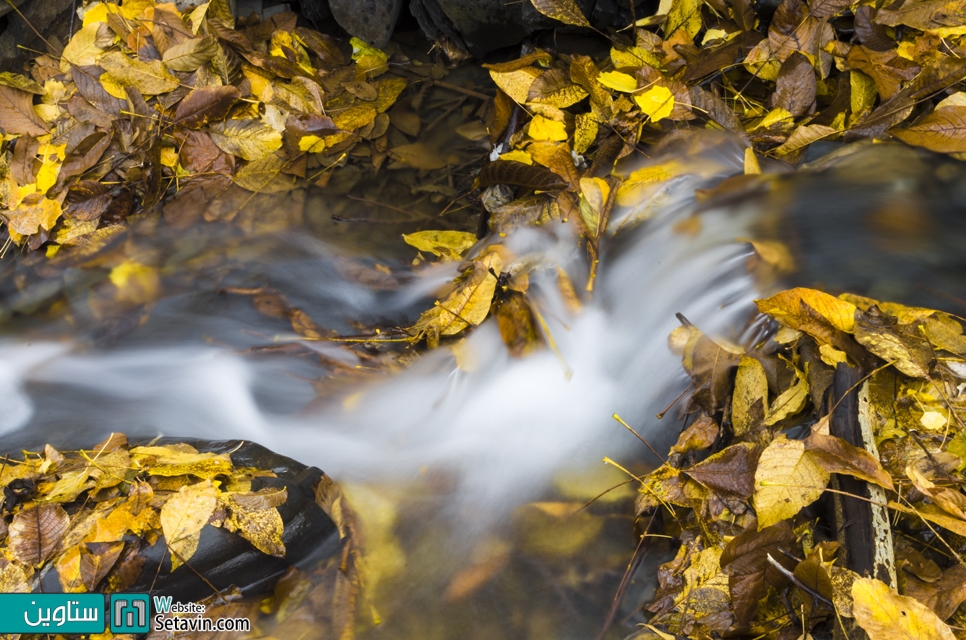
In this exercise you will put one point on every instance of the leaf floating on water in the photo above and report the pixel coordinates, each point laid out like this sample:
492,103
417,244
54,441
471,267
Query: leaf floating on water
448,245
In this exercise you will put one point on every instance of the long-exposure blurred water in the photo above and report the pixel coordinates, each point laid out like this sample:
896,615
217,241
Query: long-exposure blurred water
445,459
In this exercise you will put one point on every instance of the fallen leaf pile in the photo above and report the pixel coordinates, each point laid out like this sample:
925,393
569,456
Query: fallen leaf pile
147,105
88,516
740,489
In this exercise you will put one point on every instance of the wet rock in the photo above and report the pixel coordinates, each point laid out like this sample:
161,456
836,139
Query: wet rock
482,26
369,20
226,559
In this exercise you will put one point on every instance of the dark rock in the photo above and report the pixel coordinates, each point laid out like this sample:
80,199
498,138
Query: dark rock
226,559
369,20
51,17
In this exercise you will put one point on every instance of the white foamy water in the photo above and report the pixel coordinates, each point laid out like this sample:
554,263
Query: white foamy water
501,429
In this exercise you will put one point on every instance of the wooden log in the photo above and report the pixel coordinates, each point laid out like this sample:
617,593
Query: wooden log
861,523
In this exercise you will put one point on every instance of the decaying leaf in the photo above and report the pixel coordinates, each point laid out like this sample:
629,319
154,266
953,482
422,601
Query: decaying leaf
448,245
36,533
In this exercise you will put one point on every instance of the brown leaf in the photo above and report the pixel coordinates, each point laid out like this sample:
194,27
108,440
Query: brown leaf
822,9
98,561
870,33
885,67
709,366
715,109
554,87
36,533
745,560
204,105
17,115
815,577
699,435
87,200
901,344
518,328
565,11
943,130
190,54
24,163
521,175
711,61
299,126
85,156
910,560
87,80
321,45
835,455
796,85
944,596
730,471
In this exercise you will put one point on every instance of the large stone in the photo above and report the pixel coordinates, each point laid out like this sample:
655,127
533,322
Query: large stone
369,20
226,559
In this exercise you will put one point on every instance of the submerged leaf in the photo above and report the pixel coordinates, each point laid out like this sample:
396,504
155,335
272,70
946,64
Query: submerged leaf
448,245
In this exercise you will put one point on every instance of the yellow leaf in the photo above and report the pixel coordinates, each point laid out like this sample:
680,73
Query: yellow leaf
248,139
790,402
32,215
565,11
183,516
169,156
885,615
282,41
586,132
86,45
618,81
262,527
448,245
631,190
136,283
516,83
355,117
150,78
543,129
786,480
933,420
863,95
517,156
132,9
686,15
192,53
265,176
773,117
47,176
751,162
387,92
786,308
368,59
467,306
657,102
112,86
633,57
595,192
762,63
99,12
751,388
832,356
311,144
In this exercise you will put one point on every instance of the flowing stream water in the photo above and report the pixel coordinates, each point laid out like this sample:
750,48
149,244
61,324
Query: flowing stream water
459,464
